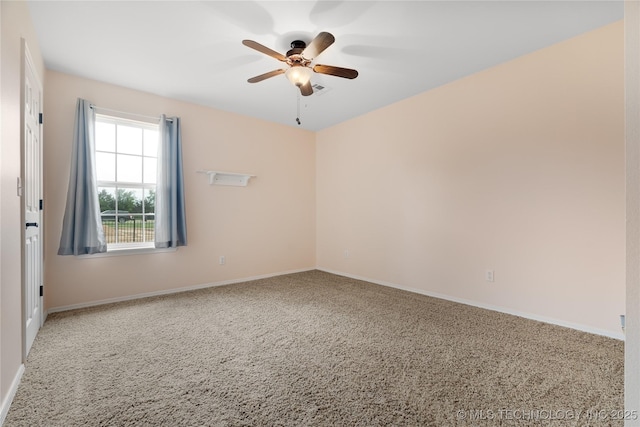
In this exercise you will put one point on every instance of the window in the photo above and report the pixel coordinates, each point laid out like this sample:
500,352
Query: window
126,165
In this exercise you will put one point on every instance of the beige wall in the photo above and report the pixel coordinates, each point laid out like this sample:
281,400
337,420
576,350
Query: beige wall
266,227
15,25
519,169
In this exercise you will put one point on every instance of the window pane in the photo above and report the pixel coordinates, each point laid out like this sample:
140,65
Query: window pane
107,198
105,136
149,217
150,168
129,140
129,168
149,202
130,203
151,143
106,166
130,200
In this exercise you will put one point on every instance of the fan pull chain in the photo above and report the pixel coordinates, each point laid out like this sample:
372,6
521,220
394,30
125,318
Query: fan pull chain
298,116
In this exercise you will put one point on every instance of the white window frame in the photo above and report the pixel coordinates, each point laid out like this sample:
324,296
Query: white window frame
128,247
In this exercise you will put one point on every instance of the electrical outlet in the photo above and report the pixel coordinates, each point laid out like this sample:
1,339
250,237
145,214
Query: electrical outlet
346,253
489,276
222,260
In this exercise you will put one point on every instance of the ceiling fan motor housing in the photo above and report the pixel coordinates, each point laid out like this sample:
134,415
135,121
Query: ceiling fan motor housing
294,56
299,44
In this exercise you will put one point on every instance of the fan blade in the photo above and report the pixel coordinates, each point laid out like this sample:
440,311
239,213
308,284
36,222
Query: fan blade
306,89
265,76
347,73
263,49
318,45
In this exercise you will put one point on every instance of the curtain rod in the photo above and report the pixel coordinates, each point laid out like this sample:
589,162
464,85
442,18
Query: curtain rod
94,107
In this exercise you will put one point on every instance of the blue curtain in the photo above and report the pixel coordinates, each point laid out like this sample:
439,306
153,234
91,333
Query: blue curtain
171,224
82,231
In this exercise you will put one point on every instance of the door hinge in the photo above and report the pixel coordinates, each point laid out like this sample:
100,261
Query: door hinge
40,204
40,118
41,290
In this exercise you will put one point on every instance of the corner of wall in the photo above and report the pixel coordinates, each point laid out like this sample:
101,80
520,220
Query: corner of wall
632,111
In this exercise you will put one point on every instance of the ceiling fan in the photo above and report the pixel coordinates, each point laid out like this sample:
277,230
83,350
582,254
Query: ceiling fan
299,59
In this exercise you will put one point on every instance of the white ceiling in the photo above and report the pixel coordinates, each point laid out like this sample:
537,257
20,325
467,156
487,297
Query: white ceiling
192,51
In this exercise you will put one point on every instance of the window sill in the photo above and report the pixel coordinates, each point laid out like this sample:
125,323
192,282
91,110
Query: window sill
129,251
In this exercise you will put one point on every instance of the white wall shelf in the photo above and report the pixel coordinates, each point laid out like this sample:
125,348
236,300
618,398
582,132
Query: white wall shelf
228,178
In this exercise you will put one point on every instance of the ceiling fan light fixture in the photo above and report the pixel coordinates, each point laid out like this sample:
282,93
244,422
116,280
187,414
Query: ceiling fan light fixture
298,75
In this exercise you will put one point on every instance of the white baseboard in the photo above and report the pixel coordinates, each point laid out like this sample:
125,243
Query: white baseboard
170,291
531,316
6,403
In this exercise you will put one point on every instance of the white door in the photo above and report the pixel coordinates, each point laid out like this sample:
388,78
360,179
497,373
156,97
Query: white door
31,195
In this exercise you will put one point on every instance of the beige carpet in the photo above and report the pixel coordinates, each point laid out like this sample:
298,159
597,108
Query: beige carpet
313,349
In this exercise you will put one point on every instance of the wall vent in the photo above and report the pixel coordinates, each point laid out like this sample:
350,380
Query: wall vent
320,89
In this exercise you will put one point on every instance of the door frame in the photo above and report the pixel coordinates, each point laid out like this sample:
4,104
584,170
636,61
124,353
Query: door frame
27,62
